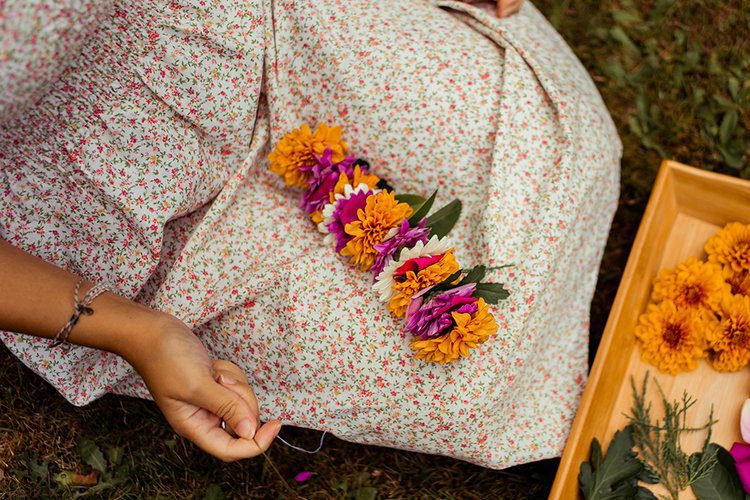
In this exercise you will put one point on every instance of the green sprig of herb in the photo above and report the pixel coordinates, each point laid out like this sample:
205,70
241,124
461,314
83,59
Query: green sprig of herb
659,442
649,451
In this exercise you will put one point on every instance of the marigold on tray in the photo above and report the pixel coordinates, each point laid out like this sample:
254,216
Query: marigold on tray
730,247
739,282
381,213
729,337
470,331
298,150
692,284
671,338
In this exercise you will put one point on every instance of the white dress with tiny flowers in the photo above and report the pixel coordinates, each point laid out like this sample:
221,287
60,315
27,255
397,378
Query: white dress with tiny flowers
133,144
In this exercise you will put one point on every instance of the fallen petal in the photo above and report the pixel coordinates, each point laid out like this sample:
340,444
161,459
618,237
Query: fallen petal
303,476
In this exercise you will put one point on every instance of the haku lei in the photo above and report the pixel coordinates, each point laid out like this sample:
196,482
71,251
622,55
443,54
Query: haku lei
415,271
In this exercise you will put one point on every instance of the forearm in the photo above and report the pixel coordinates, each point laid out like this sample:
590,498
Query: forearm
36,298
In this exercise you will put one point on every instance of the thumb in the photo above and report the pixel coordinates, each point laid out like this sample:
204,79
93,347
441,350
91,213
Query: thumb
230,407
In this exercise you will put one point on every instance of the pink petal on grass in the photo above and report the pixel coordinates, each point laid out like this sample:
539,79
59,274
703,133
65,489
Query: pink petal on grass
303,476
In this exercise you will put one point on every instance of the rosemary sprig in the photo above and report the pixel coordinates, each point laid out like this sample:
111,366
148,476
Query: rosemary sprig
659,442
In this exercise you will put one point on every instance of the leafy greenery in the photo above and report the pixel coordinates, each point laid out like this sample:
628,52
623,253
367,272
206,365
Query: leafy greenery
423,209
413,200
658,457
721,481
443,220
659,442
615,475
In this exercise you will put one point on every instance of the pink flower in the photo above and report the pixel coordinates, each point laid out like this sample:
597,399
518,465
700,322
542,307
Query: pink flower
741,454
325,173
435,317
345,211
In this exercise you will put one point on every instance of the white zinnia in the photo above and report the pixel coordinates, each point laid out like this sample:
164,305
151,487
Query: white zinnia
384,283
328,209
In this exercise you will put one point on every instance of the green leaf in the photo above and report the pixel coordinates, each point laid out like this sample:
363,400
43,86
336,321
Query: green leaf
365,493
614,476
648,475
413,200
492,293
39,471
214,492
734,87
644,494
626,17
442,221
91,454
423,210
722,482
727,127
723,102
114,454
474,275
619,35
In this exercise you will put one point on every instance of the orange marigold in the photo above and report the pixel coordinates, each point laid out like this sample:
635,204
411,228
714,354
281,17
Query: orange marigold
739,282
381,213
693,284
671,338
298,149
730,247
729,337
414,281
470,331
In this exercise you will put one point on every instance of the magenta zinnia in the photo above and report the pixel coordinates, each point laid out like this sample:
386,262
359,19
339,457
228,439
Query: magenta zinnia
434,318
324,174
344,210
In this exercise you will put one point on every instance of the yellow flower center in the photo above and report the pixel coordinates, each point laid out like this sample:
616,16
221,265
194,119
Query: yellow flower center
693,294
740,253
737,331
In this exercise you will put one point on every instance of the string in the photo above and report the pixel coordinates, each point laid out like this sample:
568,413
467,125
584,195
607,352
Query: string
313,452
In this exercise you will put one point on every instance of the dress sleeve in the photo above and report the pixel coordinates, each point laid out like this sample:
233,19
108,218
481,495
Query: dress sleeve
38,41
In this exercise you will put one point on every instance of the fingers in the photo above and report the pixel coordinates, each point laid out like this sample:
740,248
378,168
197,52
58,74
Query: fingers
231,377
212,439
229,406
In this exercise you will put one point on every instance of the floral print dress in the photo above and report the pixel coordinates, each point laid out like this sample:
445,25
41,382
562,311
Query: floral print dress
133,148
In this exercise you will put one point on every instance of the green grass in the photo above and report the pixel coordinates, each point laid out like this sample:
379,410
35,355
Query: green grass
676,77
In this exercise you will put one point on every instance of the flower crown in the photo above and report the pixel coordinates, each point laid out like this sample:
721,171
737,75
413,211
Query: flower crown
415,272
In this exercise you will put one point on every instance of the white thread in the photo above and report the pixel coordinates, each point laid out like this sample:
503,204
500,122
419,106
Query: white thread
320,446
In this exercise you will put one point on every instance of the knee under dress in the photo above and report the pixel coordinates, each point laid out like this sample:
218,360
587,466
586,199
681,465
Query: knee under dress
133,148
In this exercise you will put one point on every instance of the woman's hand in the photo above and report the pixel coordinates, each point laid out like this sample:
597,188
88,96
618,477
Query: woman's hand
183,380
505,8
196,394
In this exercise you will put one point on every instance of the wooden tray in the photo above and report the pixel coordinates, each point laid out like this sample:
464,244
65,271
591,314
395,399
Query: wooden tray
687,206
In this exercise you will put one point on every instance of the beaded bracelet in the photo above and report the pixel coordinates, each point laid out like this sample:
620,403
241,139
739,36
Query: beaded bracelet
80,307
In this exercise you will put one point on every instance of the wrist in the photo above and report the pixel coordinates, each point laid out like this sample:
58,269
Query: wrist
118,325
